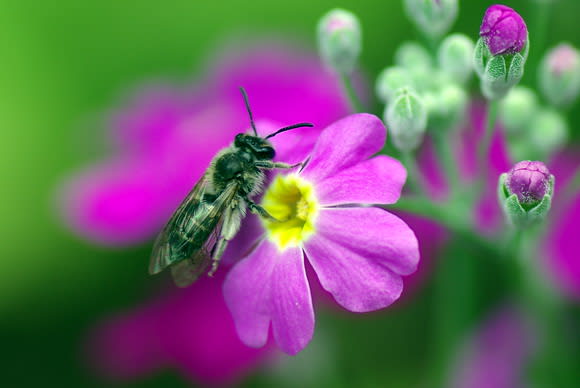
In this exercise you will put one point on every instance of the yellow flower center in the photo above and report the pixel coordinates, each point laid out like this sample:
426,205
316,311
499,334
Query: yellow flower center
291,201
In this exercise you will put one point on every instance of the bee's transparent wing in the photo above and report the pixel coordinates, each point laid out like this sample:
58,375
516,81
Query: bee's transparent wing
161,256
187,271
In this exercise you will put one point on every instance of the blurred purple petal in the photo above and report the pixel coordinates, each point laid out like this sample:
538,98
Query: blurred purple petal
165,138
284,84
188,329
497,353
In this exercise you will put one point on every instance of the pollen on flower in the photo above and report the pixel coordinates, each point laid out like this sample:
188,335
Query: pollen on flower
292,201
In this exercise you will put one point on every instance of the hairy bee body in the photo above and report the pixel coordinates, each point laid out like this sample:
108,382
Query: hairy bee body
211,214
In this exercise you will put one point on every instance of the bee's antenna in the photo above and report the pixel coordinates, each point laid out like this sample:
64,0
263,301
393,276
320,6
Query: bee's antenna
247,102
299,125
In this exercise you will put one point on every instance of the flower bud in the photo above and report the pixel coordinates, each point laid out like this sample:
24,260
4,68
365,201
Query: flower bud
411,55
503,30
501,52
390,80
406,117
517,109
339,40
548,132
446,107
525,193
455,57
559,75
432,17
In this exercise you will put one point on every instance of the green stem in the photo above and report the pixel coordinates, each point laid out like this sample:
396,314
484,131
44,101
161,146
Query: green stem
413,175
453,217
354,101
485,143
445,154
551,364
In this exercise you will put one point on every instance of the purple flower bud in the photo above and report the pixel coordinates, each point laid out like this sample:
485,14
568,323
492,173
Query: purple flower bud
559,75
503,30
562,59
530,181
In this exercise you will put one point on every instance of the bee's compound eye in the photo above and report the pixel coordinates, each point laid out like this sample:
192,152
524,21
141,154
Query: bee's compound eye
267,153
239,140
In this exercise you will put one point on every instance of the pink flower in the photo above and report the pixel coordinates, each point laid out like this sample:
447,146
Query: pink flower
358,252
163,141
165,137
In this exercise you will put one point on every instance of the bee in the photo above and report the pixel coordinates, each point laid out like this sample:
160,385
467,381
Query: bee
198,233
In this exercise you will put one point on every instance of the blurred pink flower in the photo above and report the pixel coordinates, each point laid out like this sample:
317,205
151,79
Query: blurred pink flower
165,137
496,354
163,142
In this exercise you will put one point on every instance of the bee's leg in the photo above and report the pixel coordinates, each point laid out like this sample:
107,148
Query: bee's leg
217,254
259,210
269,165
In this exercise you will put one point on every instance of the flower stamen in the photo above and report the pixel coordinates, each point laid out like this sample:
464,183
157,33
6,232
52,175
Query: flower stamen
291,201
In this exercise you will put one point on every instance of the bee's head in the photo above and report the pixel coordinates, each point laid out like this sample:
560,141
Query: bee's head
261,148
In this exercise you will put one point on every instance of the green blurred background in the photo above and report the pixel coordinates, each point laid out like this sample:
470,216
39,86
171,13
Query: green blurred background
62,65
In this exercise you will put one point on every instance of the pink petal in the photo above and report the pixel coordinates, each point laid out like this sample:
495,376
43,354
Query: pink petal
374,181
284,82
271,286
359,255
345,143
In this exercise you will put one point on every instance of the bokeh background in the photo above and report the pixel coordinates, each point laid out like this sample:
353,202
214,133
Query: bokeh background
63,64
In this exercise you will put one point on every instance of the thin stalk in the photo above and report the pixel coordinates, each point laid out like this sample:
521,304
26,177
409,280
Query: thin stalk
445,154
485,143
413,175
348,89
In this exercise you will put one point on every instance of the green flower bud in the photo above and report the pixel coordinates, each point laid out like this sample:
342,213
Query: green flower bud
446,108
517,109
455,57
406,118
525,193
390,80
548,132
559,75
432,17
339,40
500,72
411,55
